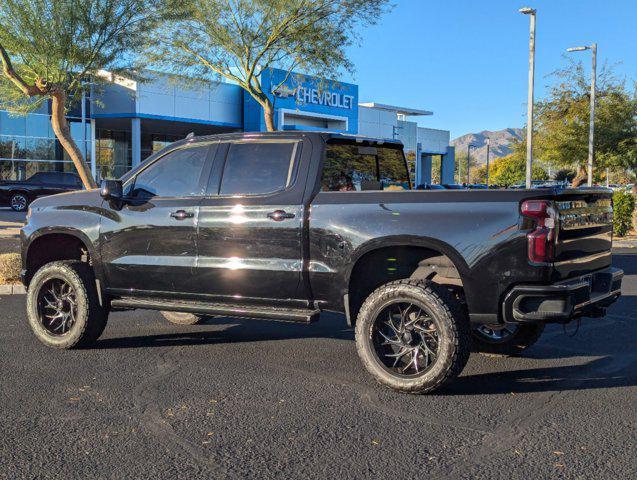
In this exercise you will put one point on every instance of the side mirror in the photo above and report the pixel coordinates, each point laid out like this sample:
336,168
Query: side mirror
111,190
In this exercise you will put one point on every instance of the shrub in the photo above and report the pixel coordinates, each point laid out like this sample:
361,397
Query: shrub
624,204
10,265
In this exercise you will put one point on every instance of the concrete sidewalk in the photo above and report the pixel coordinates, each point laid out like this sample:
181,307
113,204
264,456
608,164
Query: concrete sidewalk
629,241
10,224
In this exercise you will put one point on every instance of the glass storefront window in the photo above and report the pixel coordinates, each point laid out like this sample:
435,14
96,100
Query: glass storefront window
38,125
12,147
40,148
113,152
11,124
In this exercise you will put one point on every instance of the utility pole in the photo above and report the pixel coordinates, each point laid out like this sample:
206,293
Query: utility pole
488,145
529,112
591,128
469,161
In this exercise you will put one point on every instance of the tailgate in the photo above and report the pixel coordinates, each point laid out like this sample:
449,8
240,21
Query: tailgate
585,232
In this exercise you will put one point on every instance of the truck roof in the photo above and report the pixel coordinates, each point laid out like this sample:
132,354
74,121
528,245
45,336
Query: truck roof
325,135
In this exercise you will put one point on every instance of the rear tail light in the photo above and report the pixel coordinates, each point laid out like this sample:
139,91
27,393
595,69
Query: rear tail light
541,241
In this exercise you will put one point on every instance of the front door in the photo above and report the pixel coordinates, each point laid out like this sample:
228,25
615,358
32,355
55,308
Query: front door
149,243
250,223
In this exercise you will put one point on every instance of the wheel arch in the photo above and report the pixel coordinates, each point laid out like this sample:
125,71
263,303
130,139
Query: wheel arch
392,258
51,244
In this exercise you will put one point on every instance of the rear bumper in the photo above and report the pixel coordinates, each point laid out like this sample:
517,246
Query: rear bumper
587,295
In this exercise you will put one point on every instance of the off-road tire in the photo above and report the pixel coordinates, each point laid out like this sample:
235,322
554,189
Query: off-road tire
454,334
183,318
91,316
523,338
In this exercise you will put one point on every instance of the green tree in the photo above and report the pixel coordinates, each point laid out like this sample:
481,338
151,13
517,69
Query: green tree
239,39
51,50
511,169
562,123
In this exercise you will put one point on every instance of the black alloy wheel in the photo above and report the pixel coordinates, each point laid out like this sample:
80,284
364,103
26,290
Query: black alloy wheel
405,338
57,306
19,202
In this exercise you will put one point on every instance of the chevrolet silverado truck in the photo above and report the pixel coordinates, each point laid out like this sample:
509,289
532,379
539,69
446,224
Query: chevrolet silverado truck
286,225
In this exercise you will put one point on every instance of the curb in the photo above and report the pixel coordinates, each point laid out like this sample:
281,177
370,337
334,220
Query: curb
12,289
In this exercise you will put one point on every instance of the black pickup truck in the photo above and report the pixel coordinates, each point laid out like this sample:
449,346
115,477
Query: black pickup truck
282,226
17,194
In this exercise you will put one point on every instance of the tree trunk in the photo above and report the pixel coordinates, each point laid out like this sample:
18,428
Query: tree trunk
581,178
63,133
268,115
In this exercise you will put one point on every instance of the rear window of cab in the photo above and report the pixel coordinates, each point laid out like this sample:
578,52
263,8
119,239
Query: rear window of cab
353,167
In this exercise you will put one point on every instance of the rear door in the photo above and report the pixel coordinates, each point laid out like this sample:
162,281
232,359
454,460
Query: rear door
250,223
149,244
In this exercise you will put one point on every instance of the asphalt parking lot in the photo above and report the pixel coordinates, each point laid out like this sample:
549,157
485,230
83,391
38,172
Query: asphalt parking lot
236,399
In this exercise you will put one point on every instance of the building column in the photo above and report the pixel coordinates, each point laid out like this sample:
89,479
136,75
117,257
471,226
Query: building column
136,141
93,150
448,165
425,159
423,166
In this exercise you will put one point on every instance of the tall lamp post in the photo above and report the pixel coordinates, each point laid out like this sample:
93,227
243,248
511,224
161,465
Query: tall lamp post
591,128
469,161
529,112
488,145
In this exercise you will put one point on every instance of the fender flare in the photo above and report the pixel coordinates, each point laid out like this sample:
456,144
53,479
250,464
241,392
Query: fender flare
411,241
72,232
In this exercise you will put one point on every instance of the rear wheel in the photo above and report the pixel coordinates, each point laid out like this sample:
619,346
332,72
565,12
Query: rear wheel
63,308
183,318
19,202
508,339
412,336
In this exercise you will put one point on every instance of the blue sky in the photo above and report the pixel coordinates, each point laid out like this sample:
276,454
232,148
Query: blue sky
467,61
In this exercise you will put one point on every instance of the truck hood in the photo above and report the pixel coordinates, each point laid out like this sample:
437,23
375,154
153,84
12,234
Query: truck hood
80,198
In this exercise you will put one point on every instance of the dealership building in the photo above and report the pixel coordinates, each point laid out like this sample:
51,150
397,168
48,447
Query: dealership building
127,121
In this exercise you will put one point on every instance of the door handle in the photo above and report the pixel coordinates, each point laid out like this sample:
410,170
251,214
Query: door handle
181,215
279,215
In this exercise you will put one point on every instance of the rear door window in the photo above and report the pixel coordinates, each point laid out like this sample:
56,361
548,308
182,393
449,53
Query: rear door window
350,167
258,168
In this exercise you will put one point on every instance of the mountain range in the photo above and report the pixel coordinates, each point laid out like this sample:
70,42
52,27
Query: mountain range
500,143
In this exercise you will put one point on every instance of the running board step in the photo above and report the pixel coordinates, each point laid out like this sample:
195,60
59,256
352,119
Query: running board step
299,315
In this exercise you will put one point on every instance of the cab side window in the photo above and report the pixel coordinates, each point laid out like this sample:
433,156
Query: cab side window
351,167
258,168
176,174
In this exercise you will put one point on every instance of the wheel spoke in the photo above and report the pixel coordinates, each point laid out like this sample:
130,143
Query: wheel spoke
405,338
389,340
57,306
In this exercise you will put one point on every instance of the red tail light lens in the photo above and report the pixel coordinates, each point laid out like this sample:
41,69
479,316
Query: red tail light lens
541,240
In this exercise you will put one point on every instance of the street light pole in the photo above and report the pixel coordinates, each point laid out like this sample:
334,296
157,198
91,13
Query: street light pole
591,128
468,161
529,112
488,144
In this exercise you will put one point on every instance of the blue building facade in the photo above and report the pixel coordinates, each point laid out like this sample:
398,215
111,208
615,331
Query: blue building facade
302,102
126,122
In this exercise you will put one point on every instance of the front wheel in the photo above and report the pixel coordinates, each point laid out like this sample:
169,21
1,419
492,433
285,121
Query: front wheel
63,307
412,336
508,339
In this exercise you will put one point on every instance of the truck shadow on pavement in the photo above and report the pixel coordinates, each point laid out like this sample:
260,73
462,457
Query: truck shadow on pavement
595,358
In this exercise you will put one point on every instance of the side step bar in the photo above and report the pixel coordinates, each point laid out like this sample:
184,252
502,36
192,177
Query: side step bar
298,315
